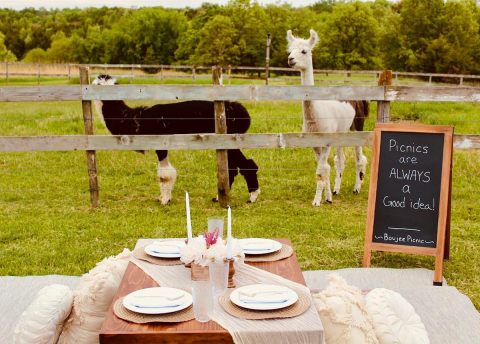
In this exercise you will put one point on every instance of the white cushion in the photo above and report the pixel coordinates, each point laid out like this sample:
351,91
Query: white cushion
342,310
92,299
394,319
42,321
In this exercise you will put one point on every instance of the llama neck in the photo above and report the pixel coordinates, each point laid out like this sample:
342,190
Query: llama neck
309,122
307,77
114,108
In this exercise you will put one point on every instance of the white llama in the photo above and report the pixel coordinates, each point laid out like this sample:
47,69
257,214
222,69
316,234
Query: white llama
329,116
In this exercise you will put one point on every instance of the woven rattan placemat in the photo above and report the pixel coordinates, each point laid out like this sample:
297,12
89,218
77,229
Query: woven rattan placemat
125,314
285,252
299,307
140,253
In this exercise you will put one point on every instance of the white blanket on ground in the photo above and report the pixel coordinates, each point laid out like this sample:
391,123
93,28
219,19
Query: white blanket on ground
16,294
448,315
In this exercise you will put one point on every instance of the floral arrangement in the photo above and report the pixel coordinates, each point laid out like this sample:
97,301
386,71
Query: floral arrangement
207,248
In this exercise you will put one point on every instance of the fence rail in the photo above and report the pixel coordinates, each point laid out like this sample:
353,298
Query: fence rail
9,69
383,94
198,141
222,93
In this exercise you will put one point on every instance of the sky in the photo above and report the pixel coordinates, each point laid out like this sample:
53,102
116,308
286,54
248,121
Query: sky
20,4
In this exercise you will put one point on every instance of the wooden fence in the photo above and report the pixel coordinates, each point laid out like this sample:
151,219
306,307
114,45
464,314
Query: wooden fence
86,93
69,70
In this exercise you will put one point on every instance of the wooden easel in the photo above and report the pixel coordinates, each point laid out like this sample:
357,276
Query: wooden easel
441,249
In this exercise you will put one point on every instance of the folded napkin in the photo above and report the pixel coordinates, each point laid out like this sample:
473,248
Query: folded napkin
266,294
259,245
165,247
155,301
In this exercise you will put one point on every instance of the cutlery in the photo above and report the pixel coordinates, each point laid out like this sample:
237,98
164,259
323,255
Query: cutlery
267,302
165,306
170,298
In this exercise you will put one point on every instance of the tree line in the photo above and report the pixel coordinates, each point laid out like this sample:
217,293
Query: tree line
434,36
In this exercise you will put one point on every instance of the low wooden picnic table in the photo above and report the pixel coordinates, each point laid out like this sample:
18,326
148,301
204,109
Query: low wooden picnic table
116,330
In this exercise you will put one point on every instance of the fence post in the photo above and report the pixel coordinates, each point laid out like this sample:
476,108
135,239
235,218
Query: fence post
194,76
223,185
38,73
91,155
6,72
267,60
383,107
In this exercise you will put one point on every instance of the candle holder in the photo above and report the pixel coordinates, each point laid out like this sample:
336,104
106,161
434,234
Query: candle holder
231,272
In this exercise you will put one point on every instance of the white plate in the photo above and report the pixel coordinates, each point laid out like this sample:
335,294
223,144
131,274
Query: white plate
155,251
157,292
284,293
273,245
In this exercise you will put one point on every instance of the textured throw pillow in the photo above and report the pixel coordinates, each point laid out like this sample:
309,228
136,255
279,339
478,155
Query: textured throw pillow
342,310
42,321
92,299
394,319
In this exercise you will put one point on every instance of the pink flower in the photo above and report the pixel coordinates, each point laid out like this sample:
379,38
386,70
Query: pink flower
212,237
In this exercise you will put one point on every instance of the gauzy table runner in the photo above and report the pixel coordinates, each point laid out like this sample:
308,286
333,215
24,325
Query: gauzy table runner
305,328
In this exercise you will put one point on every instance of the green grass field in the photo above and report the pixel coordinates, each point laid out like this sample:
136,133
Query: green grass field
48,227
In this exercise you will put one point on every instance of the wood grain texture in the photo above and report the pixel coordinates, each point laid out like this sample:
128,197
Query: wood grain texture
91,154
40,93
199,142
383,107
223,185
252,92
434,94
115,330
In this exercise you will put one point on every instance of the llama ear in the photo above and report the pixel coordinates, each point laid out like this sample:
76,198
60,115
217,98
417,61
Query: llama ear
313,40
290,37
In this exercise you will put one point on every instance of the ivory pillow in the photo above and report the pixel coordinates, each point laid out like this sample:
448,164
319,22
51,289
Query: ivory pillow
342,310
42,321
394,319
92,299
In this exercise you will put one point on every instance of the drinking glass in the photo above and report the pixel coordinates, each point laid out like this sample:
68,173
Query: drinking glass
215,222
202,293
219,277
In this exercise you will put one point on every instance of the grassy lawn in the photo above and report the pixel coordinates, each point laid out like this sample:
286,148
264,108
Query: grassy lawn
48,227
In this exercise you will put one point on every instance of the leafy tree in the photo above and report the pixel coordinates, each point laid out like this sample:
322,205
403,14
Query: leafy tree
36,55
5,54
217,43
188,39
433,36
349,38
61,49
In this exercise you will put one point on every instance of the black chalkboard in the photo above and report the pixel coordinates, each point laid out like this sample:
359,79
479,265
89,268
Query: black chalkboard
408,188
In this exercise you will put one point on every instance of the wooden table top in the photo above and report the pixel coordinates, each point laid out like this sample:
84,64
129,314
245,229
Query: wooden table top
115,330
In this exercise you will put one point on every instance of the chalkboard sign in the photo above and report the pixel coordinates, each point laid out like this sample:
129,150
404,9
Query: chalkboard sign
409,190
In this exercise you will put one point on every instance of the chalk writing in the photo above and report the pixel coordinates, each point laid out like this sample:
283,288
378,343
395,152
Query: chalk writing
408,186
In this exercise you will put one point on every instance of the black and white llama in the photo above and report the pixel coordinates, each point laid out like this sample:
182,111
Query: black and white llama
328,116
190,117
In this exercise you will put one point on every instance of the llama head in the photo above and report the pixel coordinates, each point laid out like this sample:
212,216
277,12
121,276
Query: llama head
301,50
104,79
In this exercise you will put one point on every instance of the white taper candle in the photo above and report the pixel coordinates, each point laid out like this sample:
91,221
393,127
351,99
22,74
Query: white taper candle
189,220
229,233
